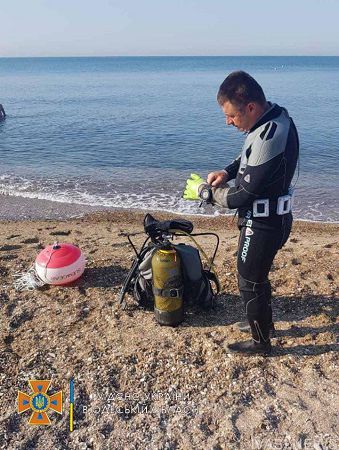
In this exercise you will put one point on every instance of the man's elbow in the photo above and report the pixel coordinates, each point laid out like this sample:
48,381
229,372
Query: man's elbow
239,198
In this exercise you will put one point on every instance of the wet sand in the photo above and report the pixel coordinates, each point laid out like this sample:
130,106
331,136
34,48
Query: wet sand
142,386
20,208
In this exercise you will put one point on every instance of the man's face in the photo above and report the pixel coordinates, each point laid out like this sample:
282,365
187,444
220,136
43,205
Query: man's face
242,118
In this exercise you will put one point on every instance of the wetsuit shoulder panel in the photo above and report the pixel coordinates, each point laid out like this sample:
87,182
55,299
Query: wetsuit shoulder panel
269,140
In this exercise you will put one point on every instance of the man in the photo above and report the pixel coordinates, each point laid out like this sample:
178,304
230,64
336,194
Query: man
263,173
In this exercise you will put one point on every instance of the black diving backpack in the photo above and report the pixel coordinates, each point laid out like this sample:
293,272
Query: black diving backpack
200,285
198,289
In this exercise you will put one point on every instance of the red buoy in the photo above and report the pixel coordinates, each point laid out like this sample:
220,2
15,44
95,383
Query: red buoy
60,263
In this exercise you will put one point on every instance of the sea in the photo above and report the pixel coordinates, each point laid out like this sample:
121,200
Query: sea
126,132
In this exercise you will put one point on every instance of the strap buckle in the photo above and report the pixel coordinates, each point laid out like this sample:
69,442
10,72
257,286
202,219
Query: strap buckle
285,202
261,208
169,293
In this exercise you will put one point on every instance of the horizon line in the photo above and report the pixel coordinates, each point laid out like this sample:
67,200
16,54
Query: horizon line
175,56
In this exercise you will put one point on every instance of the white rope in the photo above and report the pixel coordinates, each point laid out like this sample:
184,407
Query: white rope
27,280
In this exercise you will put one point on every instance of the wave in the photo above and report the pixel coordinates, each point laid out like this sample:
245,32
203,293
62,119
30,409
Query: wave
149,201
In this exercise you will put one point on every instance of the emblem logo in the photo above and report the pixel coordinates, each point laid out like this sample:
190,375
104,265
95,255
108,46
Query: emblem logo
39,402
249,232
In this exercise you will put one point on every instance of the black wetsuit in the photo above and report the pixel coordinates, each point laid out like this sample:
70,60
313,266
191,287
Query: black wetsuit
263,171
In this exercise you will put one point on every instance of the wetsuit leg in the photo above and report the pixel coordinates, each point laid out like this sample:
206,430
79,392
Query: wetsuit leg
256,251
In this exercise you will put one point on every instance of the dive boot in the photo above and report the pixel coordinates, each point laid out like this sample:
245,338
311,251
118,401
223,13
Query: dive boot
245,328
251,347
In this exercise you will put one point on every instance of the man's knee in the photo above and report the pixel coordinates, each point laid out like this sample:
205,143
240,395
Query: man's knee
256,296
253,286
245,285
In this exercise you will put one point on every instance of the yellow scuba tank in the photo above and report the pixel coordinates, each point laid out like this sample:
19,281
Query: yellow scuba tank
168,286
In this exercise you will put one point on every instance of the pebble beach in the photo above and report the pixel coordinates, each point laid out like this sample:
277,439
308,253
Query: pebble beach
139,385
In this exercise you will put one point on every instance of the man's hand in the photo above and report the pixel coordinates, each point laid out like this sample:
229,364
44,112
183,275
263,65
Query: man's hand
218,178
192,187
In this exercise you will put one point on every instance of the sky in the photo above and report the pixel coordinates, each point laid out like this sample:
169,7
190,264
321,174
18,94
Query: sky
172,27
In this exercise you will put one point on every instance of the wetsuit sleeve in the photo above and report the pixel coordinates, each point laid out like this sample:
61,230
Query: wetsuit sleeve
232,169
264,163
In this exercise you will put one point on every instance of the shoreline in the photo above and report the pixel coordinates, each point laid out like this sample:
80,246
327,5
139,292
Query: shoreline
16,208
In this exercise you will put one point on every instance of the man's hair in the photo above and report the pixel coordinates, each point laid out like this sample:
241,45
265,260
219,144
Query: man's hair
240,88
